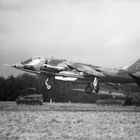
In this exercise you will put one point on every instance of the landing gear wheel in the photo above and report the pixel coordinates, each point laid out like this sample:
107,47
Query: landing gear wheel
88,89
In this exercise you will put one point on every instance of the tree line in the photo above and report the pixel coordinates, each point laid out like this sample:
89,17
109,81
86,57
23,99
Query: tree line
12,87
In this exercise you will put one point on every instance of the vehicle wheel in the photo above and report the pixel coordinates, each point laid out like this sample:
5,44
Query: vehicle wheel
88,89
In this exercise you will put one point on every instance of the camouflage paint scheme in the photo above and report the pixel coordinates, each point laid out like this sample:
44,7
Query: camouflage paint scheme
78,72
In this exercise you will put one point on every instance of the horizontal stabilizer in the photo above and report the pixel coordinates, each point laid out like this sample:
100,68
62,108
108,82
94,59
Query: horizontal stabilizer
71,79
137,79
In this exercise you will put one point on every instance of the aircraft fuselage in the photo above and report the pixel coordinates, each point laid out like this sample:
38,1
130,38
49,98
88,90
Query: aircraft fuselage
84,72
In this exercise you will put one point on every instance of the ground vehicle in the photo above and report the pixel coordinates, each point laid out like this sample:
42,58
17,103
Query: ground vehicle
30,97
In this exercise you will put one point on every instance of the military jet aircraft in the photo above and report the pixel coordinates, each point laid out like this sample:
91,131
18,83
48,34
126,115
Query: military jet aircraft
80,73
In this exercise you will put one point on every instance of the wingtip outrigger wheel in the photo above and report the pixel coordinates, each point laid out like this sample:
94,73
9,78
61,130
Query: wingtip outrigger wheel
47,85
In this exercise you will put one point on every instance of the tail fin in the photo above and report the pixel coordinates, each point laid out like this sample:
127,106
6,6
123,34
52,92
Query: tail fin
133,68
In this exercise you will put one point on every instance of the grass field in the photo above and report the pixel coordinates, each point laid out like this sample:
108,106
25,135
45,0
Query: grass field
68,121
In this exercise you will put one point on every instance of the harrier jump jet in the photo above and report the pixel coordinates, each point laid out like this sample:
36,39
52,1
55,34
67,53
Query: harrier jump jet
80,73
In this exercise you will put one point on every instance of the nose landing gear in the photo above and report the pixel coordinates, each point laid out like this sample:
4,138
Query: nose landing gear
47,85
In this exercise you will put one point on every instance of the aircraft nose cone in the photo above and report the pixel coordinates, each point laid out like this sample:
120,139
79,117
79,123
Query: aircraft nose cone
17,66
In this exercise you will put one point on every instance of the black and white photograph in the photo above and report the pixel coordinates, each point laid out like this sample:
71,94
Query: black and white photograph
69,69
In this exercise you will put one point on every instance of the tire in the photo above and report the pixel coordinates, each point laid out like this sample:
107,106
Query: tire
88,89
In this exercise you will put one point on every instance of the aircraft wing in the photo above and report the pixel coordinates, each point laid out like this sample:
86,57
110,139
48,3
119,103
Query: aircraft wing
64,74
85,69
71,70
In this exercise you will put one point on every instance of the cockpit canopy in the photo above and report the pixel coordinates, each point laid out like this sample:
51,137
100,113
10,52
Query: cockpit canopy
27,61
32,60
51,61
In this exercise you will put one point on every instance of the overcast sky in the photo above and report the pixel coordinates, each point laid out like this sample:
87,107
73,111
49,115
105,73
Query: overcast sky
98,32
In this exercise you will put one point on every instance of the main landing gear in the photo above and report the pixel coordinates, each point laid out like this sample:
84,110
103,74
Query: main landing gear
95,85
